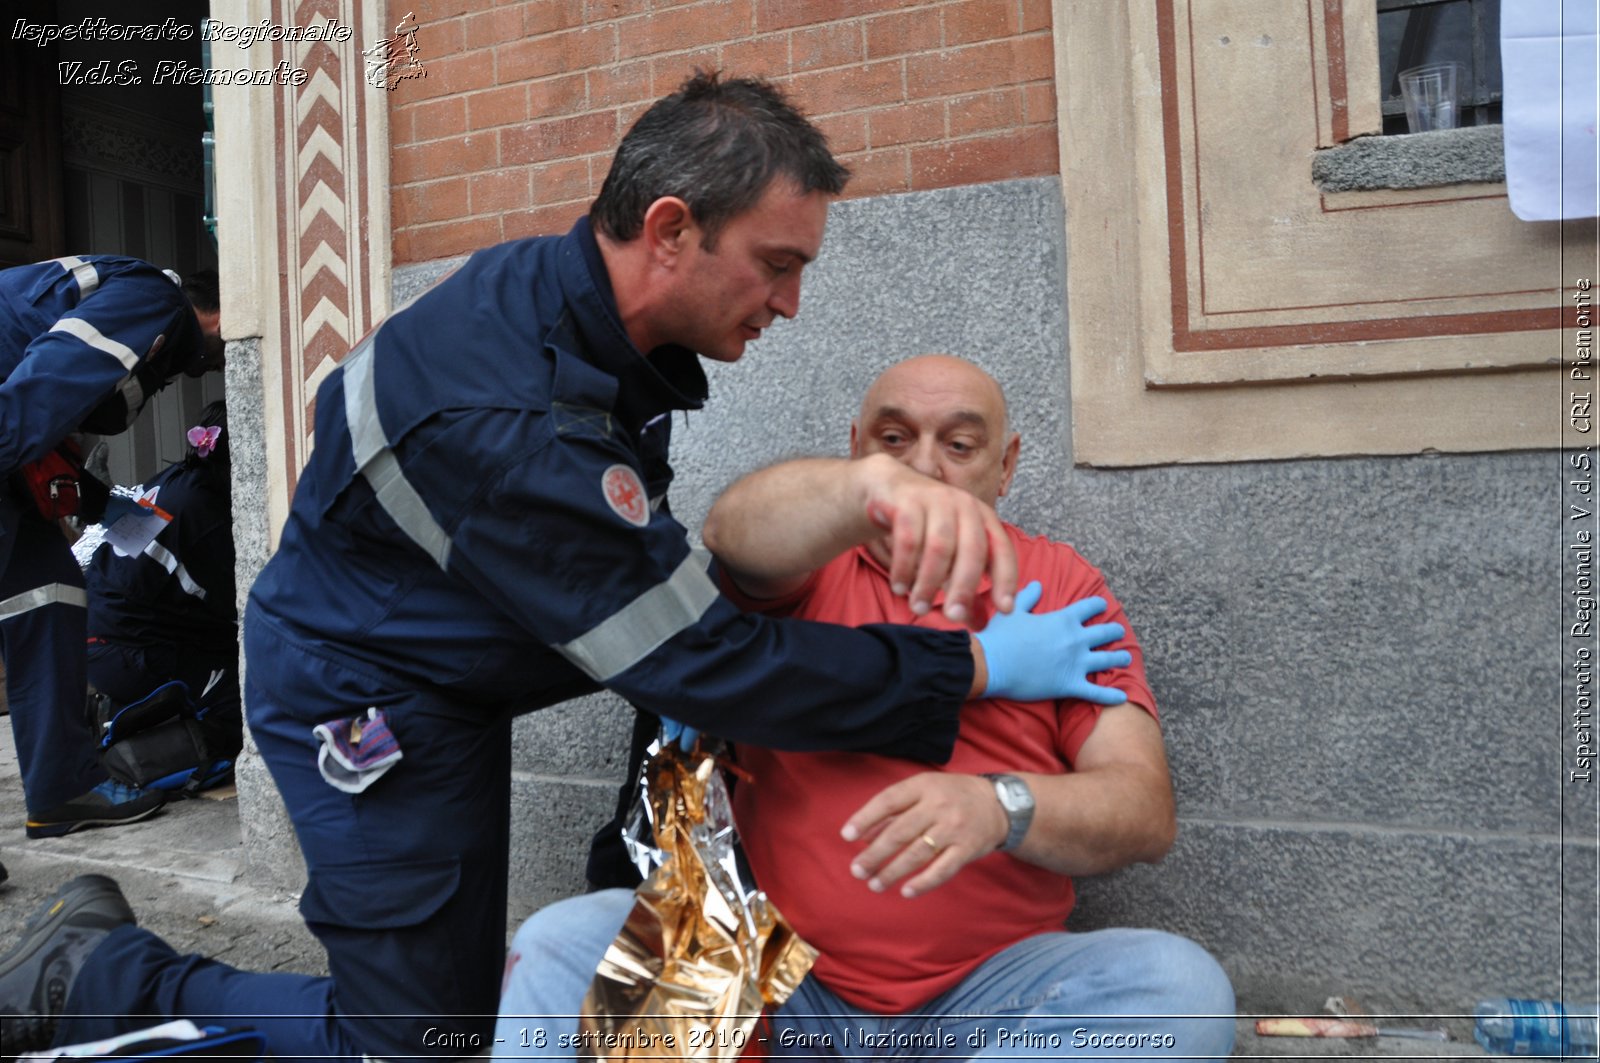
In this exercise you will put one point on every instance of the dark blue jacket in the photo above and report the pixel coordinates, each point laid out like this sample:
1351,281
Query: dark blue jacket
468,529
180,591
84,343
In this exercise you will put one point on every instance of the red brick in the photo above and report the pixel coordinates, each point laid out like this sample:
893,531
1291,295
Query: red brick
400,241
559,182
1036,58
787,14
980,66
906,124
1039,103
984,112
433,11
439,118
547,16
441,38
435,201
400,121
427,242
682,28
845,132
602,10
496,107
558,138
548,220
550,97
1035,15
555,53
667,72
875,173
500,191
816,47
402,207
903,32
450,76
473,153
978,20
1032,152
492,27
849,88
766,56
619,83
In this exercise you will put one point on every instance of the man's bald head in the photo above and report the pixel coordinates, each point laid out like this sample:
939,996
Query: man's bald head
944,417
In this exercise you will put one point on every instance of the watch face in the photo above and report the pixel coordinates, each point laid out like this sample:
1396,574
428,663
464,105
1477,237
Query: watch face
1016,794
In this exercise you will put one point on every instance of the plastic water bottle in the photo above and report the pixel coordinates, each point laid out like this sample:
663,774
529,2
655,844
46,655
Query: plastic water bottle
1533,1028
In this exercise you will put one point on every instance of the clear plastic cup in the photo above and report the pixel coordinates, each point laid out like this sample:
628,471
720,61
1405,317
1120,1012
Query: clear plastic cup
1430,93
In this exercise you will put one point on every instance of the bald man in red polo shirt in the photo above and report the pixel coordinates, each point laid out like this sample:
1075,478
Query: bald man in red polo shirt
937,897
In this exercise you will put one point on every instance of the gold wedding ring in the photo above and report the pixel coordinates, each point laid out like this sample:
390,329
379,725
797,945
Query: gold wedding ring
930,843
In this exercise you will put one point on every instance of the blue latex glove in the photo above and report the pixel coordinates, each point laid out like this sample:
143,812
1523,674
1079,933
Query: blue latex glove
673,731
1050,655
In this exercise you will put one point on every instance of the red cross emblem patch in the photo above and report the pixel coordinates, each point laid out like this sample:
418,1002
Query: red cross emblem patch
625,495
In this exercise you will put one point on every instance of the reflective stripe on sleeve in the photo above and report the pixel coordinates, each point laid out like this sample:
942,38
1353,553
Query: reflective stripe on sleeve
632,633
377,463
76,326
39,597
167,560
84,273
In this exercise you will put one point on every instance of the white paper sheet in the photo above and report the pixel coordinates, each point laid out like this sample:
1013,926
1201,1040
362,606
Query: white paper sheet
1550,55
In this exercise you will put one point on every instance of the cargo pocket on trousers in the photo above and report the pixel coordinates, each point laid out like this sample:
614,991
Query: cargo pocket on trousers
379,896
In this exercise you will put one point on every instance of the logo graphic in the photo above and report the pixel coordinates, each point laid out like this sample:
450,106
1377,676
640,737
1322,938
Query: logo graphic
625,495
391,61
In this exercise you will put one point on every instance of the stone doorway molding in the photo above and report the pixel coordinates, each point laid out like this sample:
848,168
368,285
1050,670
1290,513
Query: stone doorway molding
302,198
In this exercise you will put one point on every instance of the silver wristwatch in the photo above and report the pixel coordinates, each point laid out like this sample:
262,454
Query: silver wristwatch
1017,800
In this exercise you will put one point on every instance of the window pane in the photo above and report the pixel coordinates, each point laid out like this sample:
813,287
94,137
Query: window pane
1415,32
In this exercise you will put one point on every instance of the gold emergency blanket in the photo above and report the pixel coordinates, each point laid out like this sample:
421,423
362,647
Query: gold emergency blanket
700,955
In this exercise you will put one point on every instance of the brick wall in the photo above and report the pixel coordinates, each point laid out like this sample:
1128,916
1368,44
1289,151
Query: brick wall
510,133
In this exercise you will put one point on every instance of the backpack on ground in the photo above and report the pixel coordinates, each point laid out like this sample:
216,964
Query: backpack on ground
163,741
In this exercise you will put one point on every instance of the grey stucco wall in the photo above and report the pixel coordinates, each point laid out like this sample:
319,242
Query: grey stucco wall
1357,660
271,851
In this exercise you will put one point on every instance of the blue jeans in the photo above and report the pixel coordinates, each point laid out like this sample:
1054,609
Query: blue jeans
1094,995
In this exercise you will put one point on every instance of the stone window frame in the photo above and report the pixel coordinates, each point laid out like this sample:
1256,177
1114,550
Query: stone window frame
1155,381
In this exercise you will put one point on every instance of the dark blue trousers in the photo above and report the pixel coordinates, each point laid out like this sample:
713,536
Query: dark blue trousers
42,618
406,883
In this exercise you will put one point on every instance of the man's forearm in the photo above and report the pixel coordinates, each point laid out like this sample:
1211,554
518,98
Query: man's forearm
1097,822
774,527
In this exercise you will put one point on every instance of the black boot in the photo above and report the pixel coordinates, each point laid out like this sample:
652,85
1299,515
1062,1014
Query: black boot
37,975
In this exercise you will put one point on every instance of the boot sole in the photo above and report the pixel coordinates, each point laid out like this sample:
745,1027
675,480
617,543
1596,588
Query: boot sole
56,830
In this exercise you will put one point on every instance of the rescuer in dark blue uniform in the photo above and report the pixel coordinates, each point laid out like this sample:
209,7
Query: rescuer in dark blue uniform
481,532
168,613
84,343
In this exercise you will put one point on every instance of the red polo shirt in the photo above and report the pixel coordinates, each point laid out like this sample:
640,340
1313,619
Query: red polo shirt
882,952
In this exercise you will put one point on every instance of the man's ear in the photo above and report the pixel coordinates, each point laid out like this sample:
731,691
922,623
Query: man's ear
1008,462
668,228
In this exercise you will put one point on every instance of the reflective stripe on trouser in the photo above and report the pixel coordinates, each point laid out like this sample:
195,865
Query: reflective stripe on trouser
413,926
42,635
